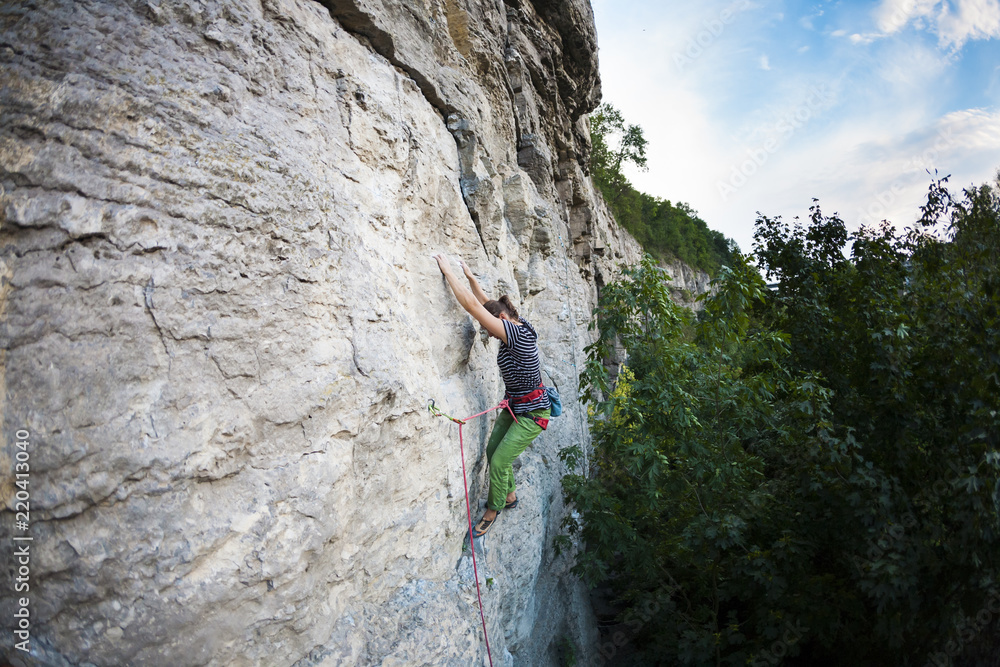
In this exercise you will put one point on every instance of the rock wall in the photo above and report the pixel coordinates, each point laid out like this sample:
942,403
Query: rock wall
221,323
687,283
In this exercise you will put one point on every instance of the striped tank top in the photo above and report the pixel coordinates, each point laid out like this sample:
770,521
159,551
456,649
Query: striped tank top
519,366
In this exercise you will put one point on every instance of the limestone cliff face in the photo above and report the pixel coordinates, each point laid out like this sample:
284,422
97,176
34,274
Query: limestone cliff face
222,322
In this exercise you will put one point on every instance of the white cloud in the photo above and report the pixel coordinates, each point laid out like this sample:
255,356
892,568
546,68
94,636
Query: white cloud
878,126
870,173
963,144
975,19
867,165
954,22
910,69
893,15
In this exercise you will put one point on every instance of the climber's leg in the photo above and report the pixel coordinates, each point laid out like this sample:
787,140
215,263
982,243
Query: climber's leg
517,438
500,426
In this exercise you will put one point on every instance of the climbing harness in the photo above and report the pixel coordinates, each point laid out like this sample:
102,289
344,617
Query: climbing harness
542,389
527,398
468,509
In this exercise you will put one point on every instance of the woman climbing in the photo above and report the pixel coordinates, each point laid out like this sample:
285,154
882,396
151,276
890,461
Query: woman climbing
519,367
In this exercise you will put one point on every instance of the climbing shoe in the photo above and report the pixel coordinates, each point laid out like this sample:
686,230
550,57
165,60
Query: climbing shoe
511,505
484,525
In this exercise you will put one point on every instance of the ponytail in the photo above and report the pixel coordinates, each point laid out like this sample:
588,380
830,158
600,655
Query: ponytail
509,305
502,305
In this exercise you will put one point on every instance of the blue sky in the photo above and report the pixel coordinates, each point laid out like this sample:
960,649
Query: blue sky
760,105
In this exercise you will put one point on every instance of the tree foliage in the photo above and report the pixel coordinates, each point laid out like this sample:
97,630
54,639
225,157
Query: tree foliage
811,475
665,230
607,160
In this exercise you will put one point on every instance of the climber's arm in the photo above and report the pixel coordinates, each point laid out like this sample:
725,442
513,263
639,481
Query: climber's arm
469,302
474,284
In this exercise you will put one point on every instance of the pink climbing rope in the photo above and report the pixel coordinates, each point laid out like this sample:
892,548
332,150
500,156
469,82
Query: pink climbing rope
468,509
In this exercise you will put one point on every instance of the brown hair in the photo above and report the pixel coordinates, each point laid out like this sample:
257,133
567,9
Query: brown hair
502,305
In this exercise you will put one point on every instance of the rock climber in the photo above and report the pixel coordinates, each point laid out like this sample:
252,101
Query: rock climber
521,372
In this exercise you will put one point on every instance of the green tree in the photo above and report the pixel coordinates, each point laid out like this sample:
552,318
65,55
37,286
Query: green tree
812,474
665,230
679,504
614,144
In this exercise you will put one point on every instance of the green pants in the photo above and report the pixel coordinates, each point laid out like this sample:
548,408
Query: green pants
507,440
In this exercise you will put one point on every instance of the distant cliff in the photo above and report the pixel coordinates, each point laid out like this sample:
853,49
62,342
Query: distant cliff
222,324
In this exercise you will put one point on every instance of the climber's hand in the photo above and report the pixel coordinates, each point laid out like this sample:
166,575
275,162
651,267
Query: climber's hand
443,264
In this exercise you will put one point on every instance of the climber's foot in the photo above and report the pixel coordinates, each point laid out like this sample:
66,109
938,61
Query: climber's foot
489,518
511,502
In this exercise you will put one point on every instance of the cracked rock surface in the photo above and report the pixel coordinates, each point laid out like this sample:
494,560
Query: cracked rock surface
221,323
